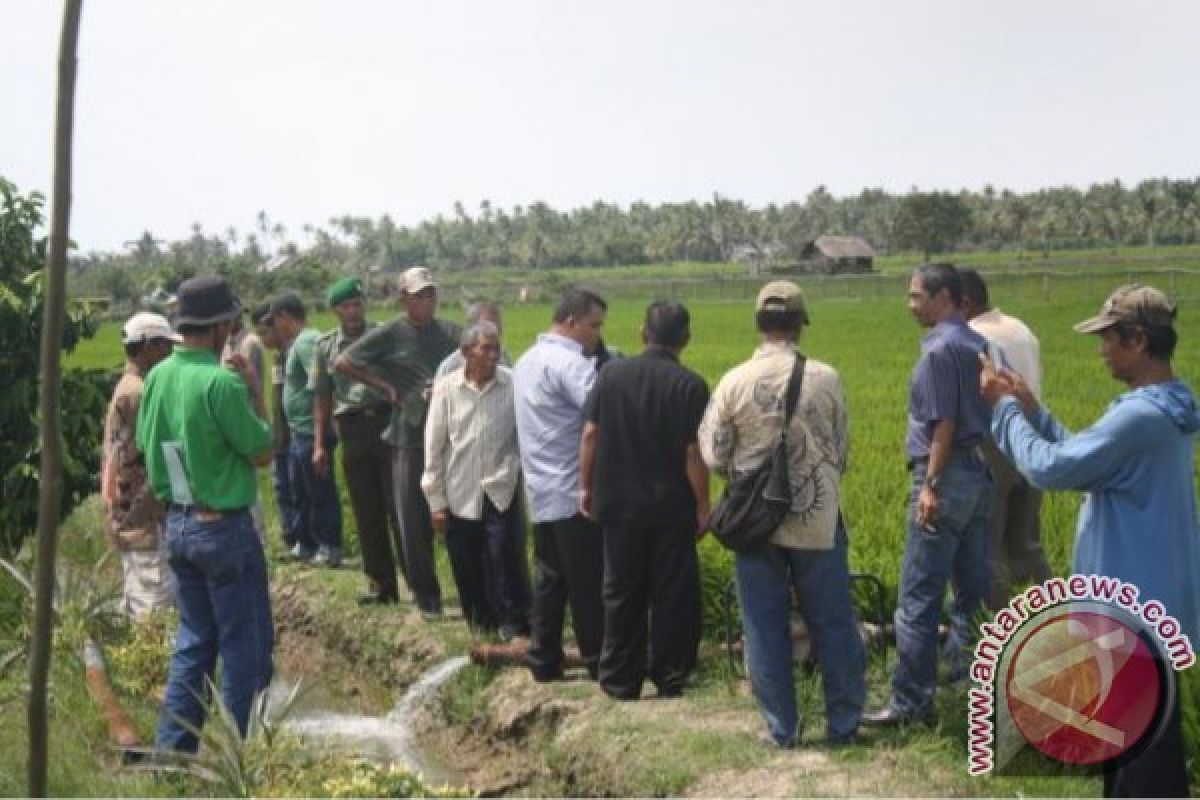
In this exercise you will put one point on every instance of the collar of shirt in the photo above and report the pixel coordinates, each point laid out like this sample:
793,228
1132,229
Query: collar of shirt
991,315
341,335
773,349
560,340
458,378
950,323
658,351
194,355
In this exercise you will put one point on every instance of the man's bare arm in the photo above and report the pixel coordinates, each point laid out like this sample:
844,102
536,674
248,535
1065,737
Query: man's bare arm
697,475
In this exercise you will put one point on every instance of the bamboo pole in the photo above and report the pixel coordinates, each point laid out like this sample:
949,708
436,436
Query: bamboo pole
50,486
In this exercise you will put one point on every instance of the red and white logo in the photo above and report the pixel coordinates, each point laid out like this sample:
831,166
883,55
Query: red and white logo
1083,687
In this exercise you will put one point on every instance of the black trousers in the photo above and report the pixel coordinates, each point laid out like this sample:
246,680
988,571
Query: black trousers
416,528
650,569
486,556
367,464
1159,771
569,567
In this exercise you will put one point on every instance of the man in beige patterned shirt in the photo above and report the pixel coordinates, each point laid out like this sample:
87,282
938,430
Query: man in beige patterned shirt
807,554
134,516
472,469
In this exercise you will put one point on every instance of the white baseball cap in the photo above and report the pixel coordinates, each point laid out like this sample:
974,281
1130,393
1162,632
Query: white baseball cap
414,279
144,326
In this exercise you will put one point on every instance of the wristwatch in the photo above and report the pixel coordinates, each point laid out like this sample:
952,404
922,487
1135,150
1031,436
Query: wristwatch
934,482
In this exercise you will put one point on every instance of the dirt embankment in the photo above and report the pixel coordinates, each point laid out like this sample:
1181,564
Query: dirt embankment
507,735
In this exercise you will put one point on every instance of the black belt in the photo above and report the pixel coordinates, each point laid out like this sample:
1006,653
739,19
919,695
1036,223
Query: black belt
368,411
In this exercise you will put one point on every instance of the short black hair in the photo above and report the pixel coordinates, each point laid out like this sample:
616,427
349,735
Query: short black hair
577,303
291,304
941,275
974,288
1160,339
261,315
779,321
668,323
134,349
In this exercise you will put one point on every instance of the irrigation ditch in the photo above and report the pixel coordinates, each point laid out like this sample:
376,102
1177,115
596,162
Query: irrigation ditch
496,732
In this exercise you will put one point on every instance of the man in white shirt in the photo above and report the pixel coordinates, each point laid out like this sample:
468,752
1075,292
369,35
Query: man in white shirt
1017,557
551,384
472,469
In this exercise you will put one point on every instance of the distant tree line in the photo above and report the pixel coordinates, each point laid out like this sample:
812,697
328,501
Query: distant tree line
1154,212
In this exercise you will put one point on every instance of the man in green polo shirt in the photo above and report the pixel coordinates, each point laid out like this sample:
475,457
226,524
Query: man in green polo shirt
360,415
400,360
314,493
202,430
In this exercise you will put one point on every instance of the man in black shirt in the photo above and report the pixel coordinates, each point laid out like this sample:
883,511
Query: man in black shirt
643,479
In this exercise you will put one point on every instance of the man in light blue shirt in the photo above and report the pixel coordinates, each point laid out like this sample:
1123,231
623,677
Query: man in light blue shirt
1137,465
551,384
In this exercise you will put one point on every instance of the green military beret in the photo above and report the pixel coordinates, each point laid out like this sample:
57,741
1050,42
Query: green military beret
344,289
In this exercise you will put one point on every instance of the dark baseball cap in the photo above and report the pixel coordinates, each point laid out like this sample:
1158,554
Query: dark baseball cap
1140,305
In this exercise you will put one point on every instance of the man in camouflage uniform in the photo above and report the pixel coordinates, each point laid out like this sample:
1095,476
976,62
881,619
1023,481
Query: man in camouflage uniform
134,516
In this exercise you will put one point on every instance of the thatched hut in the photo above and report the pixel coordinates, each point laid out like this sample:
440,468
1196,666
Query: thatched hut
833,255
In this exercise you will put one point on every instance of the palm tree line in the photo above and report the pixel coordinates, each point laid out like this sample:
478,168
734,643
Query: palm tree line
536,236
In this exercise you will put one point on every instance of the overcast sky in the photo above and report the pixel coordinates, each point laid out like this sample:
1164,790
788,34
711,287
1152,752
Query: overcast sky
210,110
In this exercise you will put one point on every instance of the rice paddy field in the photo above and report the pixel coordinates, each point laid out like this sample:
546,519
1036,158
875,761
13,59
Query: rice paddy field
873,342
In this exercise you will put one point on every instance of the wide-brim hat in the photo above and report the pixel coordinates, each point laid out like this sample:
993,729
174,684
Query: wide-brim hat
206,300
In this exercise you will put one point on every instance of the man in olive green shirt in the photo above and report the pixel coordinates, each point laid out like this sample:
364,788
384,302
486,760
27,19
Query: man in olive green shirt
314,494
202,431
360,415
400,360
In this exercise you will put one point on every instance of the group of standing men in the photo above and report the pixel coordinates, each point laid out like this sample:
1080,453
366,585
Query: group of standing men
437,434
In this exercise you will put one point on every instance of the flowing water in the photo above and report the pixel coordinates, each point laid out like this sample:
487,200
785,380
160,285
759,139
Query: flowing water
389,738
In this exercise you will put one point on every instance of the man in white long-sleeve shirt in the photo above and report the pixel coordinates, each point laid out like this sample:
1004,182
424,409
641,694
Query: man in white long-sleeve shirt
1015,553
472,469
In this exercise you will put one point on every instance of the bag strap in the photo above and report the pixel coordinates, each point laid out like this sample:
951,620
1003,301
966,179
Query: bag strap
795,382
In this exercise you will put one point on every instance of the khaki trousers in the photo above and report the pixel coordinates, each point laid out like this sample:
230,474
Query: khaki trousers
1017,557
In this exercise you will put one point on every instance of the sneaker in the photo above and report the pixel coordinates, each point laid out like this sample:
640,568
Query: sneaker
328,557
300,553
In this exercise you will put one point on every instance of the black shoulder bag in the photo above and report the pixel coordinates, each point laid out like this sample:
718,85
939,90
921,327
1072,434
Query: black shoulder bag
755,504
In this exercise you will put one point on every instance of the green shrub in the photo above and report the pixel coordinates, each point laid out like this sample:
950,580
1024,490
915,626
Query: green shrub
138,665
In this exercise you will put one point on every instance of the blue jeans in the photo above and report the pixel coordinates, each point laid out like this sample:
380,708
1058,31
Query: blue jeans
288,519
954,549
315,499
766,579
224,609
